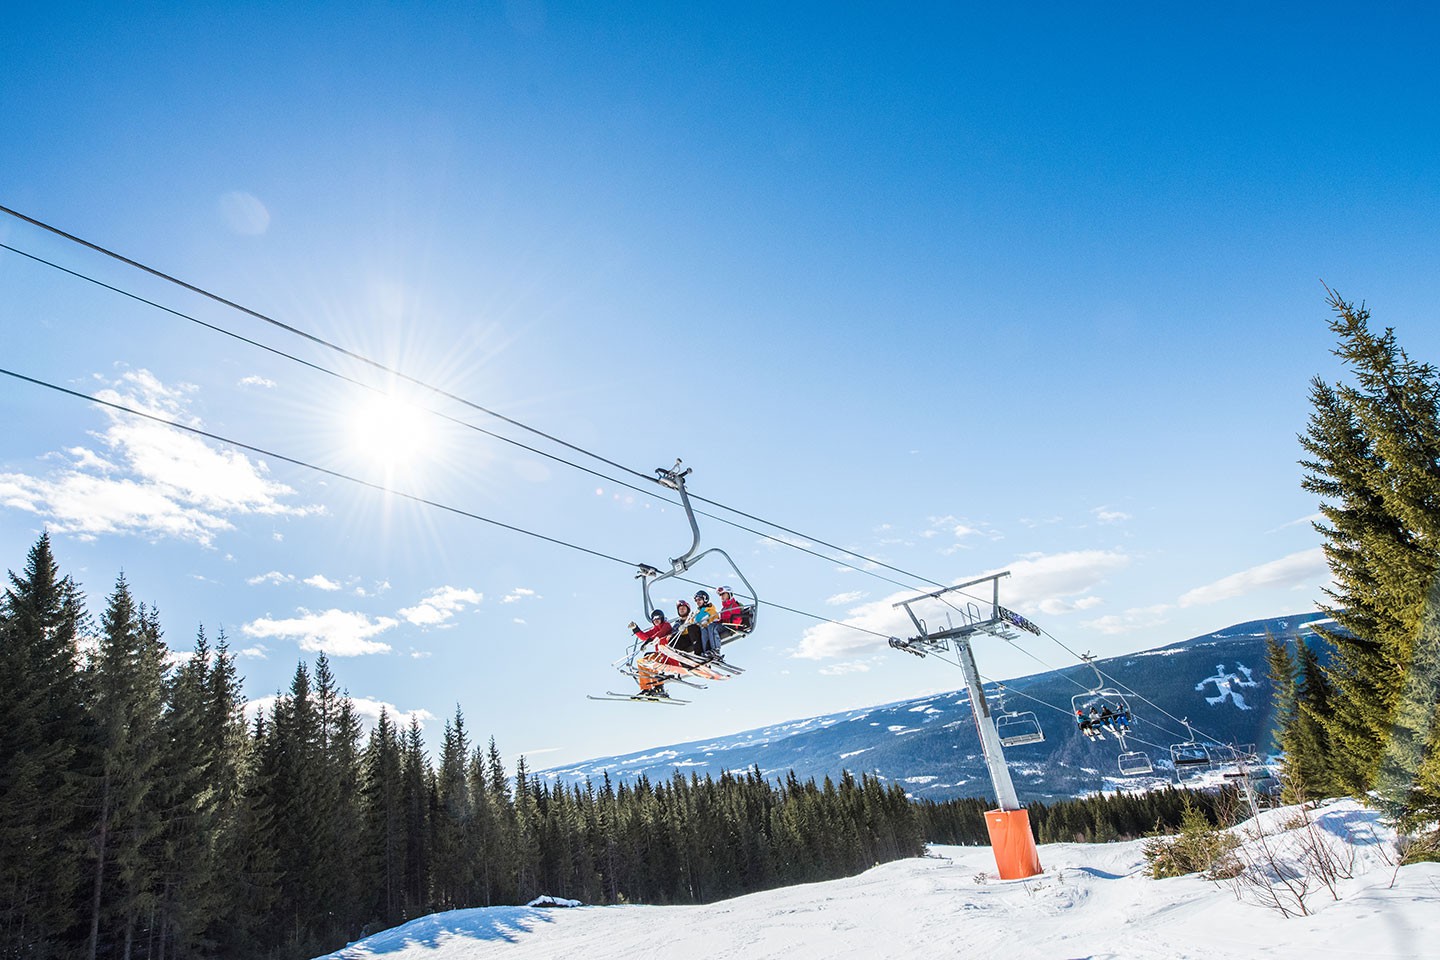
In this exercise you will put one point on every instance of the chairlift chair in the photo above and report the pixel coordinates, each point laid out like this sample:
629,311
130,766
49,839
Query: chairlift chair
1018,729
1135,763
1099,697
674,478
1192,753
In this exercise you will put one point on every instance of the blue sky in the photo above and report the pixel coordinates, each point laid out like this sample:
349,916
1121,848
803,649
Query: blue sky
962,289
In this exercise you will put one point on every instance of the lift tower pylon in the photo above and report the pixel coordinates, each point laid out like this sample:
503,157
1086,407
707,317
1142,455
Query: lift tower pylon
1009,824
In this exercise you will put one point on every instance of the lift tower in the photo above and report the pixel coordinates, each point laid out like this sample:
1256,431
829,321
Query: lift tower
1009,824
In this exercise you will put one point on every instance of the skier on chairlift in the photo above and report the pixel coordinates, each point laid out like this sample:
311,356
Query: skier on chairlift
707,618
649,665
687,631
1089,723
732,614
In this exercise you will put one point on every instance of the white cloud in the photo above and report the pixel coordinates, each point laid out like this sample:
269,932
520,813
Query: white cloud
778,540
369,712
1058,606
321,582
960,528
865,628
274,576
257,652
840,599
89,460
151,481
1302,521
338,632
1033,580
1041,578
518,594
840,669
440,606
260,705
367,709
1136,618
254,381
1106,515
1305,568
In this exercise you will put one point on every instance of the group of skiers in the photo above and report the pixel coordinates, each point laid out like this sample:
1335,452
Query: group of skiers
696,632
1091,724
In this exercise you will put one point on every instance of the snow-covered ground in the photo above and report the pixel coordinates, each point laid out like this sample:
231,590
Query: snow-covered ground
1093,901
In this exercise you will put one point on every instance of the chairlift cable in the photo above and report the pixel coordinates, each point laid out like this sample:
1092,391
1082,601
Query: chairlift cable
1049,668
295,461
322,369
1103,677
1167,713
312,466
306,335
447,417
290,328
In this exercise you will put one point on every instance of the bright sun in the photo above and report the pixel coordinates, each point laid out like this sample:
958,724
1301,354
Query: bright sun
389,432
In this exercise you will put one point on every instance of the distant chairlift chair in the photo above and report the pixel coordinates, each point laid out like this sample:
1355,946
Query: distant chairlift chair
1191,754
1018,729
1135,763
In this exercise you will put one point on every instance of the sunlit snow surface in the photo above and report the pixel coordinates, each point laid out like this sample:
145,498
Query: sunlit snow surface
1093,901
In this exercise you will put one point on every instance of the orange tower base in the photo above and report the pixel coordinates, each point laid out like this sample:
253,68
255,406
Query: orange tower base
1013,843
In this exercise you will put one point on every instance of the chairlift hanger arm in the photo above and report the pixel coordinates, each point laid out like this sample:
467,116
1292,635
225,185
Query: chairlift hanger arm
674,478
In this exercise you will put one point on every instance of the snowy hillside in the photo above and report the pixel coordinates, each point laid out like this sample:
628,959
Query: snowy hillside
929,744
1093,901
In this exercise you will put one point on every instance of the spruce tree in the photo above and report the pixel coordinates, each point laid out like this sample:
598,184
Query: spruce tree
44,724
1374,459
128,683
454,828
384,835
415,782
1310,770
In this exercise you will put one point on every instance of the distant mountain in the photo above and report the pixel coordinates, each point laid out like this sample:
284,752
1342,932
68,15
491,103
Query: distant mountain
1218,681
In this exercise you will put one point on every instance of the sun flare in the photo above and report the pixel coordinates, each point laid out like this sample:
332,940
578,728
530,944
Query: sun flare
386,431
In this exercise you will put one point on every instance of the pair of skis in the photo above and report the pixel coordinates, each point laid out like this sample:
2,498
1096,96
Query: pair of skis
693,666
637,697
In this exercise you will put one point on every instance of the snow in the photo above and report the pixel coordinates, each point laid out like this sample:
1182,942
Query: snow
1093,901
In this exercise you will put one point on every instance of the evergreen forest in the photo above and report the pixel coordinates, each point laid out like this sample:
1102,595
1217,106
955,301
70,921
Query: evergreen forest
142,816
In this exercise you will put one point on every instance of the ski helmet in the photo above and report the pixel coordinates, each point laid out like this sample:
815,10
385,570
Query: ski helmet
701,596
657,615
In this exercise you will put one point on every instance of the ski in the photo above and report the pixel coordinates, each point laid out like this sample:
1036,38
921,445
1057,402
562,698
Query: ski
614,697
697,664
691,664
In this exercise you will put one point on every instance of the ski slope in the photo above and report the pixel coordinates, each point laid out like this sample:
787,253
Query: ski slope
1093,901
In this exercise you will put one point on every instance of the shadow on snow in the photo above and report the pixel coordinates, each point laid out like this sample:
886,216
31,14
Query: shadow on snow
505,924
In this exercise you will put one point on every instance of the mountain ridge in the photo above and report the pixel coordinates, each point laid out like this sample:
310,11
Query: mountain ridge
1217,680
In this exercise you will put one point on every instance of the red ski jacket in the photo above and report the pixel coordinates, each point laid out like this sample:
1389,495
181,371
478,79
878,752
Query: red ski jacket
660,632
731,612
